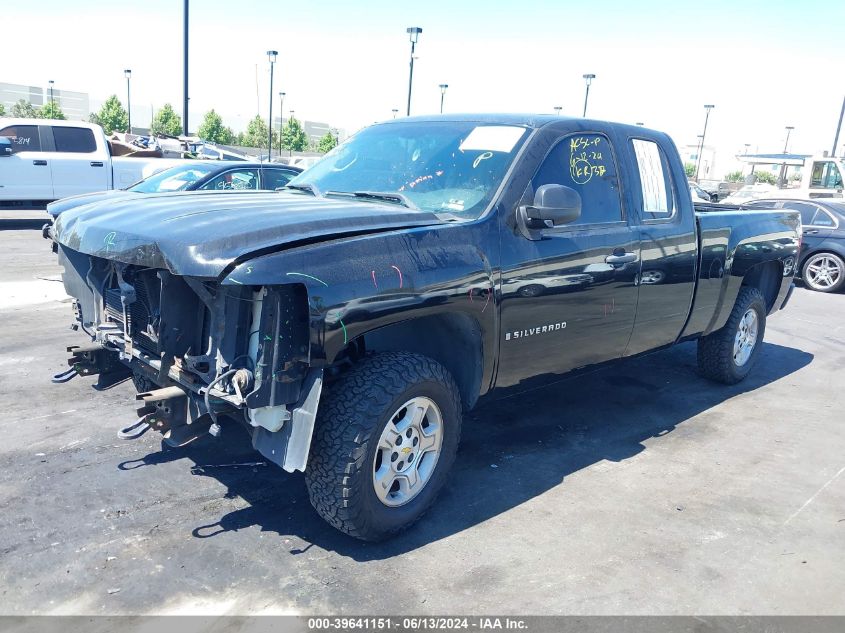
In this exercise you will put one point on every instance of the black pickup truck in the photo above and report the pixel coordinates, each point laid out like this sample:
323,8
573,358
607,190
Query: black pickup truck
423,266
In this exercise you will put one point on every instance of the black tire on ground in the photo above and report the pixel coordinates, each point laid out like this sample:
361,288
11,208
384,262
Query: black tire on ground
835,266
350,421
716,351
142,383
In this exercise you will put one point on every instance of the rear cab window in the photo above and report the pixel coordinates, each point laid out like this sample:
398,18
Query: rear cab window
74,140
657,191
585,163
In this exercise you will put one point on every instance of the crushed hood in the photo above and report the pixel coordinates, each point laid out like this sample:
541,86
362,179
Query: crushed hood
201,234
71,202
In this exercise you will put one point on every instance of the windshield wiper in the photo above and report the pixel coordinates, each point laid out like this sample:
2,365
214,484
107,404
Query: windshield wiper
386,196
307,187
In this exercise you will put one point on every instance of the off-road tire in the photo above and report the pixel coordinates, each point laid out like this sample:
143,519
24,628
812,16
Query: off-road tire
350,420
715,351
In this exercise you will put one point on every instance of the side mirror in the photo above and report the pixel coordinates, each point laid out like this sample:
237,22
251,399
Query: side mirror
5,146
553,205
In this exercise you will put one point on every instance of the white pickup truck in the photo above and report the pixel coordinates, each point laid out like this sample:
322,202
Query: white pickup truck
43,160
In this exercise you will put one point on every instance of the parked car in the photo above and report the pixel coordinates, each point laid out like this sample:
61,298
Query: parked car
701,195
747,193
821,263
347,322
199,175
47,159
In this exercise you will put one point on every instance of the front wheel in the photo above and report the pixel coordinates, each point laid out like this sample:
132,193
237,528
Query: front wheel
824,272
384,441
728,354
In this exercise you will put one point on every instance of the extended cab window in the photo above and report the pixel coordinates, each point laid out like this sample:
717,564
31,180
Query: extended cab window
77,140
24,138
584,162
655,181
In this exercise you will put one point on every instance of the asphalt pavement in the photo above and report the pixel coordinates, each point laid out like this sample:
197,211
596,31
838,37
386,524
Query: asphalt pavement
638,489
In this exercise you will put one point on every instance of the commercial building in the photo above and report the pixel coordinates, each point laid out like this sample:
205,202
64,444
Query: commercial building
75,105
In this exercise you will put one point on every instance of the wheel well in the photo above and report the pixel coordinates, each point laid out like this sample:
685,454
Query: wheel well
766,277
452,339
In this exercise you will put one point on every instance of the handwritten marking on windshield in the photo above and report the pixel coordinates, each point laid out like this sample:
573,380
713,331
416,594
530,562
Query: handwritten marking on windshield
481,157
108,240
400,274
308,276
373,274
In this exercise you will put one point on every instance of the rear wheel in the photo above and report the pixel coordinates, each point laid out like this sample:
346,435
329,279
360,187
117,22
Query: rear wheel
385,439
728,354
824,272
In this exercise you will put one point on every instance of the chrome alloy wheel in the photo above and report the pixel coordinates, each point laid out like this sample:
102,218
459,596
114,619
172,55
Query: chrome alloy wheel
746,337
407,451
823,272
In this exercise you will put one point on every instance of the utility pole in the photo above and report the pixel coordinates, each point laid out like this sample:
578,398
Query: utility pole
707,109
838,128
413,34
589,79
185,72
271,56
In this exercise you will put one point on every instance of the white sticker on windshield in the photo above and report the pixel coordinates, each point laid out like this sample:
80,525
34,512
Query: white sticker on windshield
493,138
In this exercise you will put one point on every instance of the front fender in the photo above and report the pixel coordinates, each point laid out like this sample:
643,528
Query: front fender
357,285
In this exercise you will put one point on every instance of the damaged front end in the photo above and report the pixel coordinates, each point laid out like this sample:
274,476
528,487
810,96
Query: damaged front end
198,351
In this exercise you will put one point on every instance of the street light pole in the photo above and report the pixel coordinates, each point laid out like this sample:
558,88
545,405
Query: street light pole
271,55
558,109
442,94
52,107
281,119
413,34
128,74
789,129
185,70
589,79
707,109
838,128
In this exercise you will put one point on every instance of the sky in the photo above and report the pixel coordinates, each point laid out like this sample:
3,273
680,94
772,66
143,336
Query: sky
763,64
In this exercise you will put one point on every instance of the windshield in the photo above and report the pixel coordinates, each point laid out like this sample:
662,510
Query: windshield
452,167
174,179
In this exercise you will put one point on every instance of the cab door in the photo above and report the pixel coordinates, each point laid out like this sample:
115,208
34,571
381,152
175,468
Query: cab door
25,175
75,163
569,295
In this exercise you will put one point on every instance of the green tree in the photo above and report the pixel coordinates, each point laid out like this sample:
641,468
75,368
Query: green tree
734,176
2,110
293,136
112,116
689,168
213,130
166,121
51,110
256,133
766,177
25,110
327,143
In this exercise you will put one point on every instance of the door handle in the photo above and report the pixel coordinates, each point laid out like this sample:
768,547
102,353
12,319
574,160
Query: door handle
626,258
96,163
810,232
40,163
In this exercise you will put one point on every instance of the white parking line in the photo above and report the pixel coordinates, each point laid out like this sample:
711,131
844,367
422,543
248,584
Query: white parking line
810,500
16,294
